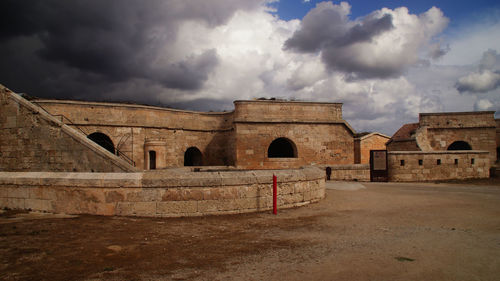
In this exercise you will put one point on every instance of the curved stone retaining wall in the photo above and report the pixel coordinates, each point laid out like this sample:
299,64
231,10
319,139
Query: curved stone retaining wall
168,193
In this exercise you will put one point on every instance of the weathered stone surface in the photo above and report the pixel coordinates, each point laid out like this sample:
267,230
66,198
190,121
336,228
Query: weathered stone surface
126,199
405,166
363,145
33,140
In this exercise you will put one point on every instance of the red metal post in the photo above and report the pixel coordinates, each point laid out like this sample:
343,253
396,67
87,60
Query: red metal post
275,195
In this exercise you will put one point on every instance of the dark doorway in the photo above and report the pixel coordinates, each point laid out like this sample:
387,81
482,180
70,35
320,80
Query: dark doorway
152,159
459,145
282,148
103,140
192,157
379,171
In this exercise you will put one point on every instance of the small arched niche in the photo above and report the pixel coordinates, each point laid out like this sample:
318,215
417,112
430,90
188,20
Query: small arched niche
193,157
282,148
459,145
102,140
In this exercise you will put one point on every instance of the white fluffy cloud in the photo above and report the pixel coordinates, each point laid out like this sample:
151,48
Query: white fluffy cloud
383,67
486,79
483,81
382,44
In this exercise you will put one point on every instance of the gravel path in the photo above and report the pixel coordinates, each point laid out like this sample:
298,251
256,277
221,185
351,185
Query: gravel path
361,231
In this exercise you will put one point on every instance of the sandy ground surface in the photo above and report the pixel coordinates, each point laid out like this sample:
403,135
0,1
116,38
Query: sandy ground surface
360,231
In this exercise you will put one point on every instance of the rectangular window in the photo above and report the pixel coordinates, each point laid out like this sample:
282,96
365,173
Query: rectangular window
456,161
420,162
438,162
472,161
152,160
402,163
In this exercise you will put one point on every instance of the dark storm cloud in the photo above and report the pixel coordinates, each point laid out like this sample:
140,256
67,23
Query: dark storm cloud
71,43
326,28
190,73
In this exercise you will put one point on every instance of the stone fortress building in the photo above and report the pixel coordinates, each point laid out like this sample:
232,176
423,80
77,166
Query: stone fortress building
258,134
56,155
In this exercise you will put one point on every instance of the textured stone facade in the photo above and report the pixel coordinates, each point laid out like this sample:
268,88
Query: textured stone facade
240,138
438,165
363,145
316,131
169,193
498,139
439,131
133,127
32,140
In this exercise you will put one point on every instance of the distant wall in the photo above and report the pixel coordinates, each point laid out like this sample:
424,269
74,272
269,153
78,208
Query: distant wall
353,172
498,139
437,165
403,145
446,120
159,194
32,140
440,130
363,145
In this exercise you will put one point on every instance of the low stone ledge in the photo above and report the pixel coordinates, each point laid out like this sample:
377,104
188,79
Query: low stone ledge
152,194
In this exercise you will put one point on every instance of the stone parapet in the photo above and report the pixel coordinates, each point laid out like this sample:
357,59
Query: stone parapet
286,111
447,120
352,172
160,193
133,115
438,165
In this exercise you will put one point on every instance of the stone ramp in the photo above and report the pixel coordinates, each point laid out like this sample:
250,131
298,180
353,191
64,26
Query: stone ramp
34,140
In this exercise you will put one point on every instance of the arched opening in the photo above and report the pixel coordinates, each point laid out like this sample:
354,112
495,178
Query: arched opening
459,145
192,157
152,159
103,140
282,148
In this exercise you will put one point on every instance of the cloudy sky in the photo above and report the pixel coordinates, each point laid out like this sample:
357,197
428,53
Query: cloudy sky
385,60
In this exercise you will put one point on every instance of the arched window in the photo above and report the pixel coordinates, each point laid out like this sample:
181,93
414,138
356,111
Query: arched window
282,148
459,145
103,140
193,157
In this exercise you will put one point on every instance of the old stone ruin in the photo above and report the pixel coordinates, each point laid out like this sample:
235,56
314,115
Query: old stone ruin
123,159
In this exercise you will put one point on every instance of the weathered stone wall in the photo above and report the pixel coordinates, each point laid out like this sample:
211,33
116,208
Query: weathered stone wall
159,194
363,145
316,144
130,127
403,145
32,140
287,111
440,130
448,120
478,138
317,130
424,166
131,115
353,172
498,139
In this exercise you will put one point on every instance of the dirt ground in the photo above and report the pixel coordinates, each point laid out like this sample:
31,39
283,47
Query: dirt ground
368,231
